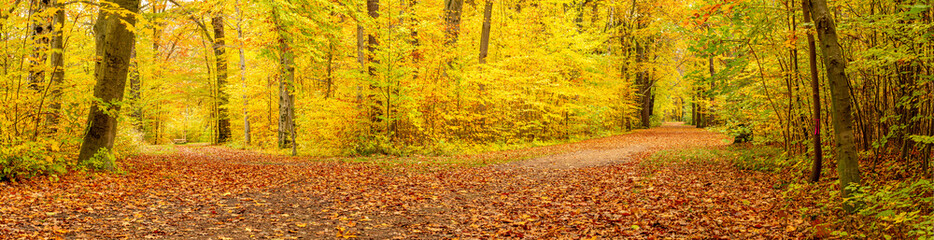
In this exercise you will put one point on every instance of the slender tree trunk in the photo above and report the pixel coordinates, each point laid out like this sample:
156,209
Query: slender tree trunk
835,64
286,80
713,80
645,85
361,46
223,120
485,33
153,122
246,112
694,109
361,58
113,43
134,90
330,70
58,67
452,19
376,114
815,91
40,27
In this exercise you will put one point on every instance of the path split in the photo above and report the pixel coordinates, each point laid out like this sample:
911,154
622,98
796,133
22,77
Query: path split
595,188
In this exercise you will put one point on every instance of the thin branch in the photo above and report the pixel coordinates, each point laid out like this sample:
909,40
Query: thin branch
204,29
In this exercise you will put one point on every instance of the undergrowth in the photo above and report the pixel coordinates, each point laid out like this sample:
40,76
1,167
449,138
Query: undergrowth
48,157
891,208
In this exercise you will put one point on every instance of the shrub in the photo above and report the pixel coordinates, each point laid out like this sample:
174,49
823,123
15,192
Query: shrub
31,159
905,207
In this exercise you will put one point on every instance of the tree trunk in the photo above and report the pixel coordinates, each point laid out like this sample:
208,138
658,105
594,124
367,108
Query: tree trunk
485,33
246,113
286,78
153,123
134,90
645,85
713,85
376,114
329,69
835,64
39,29
223,120
815,91
58,67
452,19
113,44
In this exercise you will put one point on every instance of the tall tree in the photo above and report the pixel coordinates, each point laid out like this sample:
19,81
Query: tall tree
220,54
815,91
246,114
58,66
452,19
135,86
485,32
376,113
113,43
644,81
40,27
835,66
286,79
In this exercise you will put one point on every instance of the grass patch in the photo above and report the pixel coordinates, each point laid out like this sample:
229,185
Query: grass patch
690,156
158,149
745,157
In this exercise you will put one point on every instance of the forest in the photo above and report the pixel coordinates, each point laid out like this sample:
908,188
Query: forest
467,119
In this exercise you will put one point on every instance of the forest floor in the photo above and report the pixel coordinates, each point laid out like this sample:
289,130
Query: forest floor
596,188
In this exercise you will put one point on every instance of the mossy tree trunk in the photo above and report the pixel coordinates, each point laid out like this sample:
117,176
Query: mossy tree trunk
835,64
220,53
114,43
815,93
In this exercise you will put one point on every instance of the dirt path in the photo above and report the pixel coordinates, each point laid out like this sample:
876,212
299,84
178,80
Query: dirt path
622,148
594,188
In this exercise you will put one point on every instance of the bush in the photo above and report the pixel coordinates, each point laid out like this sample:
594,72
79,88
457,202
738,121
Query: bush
655,121
31,159
100,161
760,158
903,209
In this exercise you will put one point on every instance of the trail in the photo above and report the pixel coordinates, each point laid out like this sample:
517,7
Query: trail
622,148
595,188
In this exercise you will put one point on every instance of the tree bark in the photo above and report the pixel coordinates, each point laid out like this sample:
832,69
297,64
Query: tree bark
246,113
485,32
158,6
113,44
815,93
39,29
452,19
223,120
134,90
58,67
835,64
376,114
645,85
286,78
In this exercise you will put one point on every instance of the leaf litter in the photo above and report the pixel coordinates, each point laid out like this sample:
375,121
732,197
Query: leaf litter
590,189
